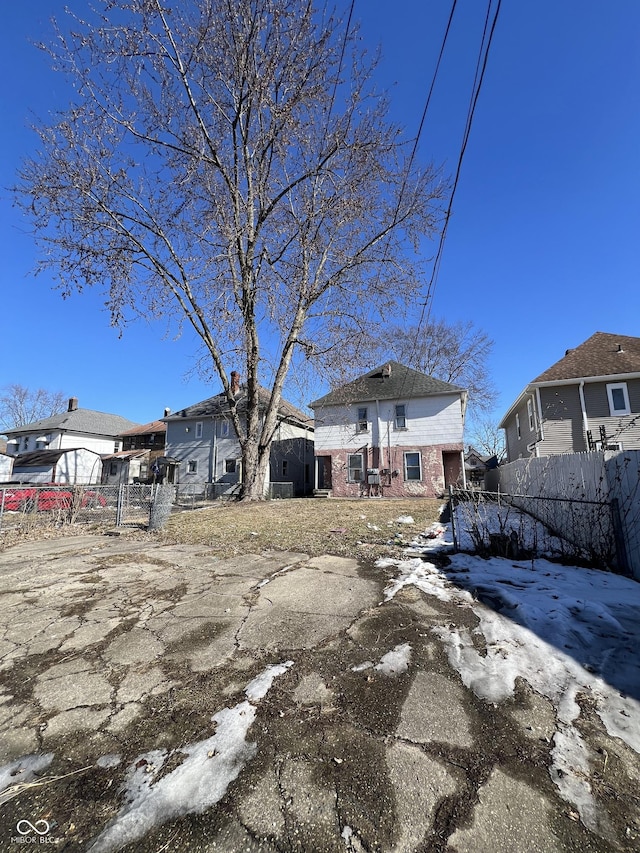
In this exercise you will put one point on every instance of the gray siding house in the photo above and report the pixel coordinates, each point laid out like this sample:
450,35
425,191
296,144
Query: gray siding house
202,445
588,400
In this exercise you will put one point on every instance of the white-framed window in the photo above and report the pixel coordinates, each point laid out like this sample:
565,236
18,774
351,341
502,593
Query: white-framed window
224,429
531,416
354,468
618,399
230,466
401,416
518,426
412,466
116,447
192,466
199,429
362,421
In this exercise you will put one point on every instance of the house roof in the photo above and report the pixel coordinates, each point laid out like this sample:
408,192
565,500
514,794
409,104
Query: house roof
390,381
86,421
39,458
602,354
124,454
146,429
219,405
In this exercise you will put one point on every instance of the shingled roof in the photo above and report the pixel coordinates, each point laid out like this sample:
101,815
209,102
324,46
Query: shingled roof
602,354
86,421
219,405
389,381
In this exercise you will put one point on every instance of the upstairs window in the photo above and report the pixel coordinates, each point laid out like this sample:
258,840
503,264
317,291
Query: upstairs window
199,429
192,466
224,429
362,423
518,426
354,464
401,416
531,416
618,399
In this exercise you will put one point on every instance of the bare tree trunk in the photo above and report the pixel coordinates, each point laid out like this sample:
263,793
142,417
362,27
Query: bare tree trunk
255,468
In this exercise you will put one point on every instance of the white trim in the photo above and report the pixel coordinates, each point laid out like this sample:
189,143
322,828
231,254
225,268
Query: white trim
618,386
404,461
583,409
198,429
351,479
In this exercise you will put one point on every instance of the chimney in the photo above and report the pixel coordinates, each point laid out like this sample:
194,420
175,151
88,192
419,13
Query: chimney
73,404
167,412
386,370
235,382
620,348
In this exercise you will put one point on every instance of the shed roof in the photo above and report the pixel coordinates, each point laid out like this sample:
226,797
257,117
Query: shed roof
389,381
42,458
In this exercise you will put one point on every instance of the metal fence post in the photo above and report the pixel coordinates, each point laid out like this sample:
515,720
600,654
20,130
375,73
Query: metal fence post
4,491
120,506
452,515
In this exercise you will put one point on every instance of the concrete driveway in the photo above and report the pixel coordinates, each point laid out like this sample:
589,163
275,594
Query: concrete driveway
156,698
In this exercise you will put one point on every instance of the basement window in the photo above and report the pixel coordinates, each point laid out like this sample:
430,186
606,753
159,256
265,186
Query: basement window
229,466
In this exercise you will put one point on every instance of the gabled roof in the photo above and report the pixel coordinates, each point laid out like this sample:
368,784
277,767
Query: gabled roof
146,429
602,354
390,381
86,421
219,406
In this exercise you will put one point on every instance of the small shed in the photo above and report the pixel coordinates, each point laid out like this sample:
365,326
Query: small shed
6,464
127,466
70,466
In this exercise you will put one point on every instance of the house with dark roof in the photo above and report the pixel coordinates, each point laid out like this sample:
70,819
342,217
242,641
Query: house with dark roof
393,432
588,400
74,430
140,460
202,445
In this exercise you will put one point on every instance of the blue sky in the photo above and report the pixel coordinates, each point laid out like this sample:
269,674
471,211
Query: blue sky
544,245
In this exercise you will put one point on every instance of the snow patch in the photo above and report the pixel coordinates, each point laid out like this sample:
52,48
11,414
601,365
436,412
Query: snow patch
23,769
396,661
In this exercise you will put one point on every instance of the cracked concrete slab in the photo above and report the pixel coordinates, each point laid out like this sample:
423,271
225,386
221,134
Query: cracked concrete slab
435,711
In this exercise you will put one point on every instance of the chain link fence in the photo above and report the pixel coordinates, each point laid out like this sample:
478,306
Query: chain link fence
523,526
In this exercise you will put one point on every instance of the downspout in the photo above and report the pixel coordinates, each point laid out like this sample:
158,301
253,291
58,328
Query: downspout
585,421
213,456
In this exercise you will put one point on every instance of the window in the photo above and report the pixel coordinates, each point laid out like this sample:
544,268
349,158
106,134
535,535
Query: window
224,429
229,466
285,465
401,416
530,415
618,399
152,438
354,465
199,429
518,426
116,447
363,423
113,469
192,466
412,466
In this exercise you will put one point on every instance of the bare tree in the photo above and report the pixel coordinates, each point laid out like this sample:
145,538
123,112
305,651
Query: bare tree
487,437
20,405
453,352
232,166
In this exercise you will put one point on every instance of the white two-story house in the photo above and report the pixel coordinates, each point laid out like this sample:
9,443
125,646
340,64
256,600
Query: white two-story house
394,432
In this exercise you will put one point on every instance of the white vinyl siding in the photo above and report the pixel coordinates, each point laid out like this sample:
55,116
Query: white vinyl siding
401,416
362,423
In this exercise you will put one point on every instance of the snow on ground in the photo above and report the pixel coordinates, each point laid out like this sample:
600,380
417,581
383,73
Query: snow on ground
394,662
565,630
197,783
23,769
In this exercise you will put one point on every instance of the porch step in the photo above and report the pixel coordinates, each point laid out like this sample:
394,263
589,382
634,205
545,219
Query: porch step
322,493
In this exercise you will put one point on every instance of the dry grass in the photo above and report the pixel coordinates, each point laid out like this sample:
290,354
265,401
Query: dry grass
313,526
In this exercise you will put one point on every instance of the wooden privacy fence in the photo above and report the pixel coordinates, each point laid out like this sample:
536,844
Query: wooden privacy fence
580,480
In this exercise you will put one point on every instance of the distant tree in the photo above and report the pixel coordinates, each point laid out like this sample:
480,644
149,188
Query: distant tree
487,437
20,405
231,165
454,352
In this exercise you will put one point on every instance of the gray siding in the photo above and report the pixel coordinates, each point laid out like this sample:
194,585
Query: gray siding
562,420
183,445
625,429
517,447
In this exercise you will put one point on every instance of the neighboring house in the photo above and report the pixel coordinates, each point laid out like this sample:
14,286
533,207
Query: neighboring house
394,432
475,466
6,464
202,446
589,400
140,457
70,466
76,429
